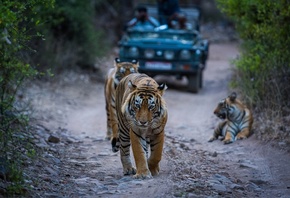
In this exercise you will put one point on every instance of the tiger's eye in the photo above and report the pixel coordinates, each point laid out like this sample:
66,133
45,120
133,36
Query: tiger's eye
122,70
151,106
132,70
137,103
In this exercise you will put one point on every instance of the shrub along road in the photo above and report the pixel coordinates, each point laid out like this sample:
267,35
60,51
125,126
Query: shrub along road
81,164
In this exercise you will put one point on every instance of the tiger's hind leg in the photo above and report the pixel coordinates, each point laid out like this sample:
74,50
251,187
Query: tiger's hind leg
156,146
139,151
109,126
115,142
108,135
109,131
244,134
246,126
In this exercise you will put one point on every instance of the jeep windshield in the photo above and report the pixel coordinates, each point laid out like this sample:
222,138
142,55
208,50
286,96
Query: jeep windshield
180,35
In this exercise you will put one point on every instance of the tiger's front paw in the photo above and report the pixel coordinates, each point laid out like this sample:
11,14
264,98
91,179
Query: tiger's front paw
154,170
212,139
241,137
129,171
143,175
227,141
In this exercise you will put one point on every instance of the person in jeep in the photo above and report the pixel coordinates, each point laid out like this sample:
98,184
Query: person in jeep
169,13
143,20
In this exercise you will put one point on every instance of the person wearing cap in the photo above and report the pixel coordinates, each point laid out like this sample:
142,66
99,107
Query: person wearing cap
168,10
143,20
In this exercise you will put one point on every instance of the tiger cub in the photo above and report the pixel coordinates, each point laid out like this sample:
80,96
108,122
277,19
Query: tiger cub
142,116
114,75
237,122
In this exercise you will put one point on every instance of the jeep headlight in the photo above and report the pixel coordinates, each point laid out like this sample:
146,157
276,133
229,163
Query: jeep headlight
133,52
149,53
169,55
185,54
198,52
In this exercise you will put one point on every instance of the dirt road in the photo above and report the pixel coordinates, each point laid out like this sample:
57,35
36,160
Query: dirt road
191,167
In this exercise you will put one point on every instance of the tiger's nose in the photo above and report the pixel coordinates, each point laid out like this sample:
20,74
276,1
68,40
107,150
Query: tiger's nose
143,123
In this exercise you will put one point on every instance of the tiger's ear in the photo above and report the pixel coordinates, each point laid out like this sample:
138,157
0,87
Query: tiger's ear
131,85
134,61
162,88
117,60
233,96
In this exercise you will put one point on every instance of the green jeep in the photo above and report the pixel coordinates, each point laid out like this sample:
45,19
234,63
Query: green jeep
168,52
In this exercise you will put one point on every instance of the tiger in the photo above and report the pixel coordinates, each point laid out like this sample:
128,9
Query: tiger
142,116
114,75
238,120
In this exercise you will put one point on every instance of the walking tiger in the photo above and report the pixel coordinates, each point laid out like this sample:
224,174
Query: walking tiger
142,116
113,78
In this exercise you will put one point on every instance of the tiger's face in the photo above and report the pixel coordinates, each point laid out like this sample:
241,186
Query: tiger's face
221,109
125,68
145,105
226,106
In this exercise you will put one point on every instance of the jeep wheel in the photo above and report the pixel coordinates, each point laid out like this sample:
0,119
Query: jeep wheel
193,83
201,79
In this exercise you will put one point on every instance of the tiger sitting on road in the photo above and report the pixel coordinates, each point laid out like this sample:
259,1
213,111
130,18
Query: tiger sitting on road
238,120
142,116
113,78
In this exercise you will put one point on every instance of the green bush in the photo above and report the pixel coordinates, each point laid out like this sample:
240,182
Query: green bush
262,72
71,38
17,23
263,68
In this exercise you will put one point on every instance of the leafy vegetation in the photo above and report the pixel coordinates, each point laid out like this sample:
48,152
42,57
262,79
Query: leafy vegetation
17,22
37,36
263,70
70,36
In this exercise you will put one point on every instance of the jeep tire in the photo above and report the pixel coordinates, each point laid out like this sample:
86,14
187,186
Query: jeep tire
194,82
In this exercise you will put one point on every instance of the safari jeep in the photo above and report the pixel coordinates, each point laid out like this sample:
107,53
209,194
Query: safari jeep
168,52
